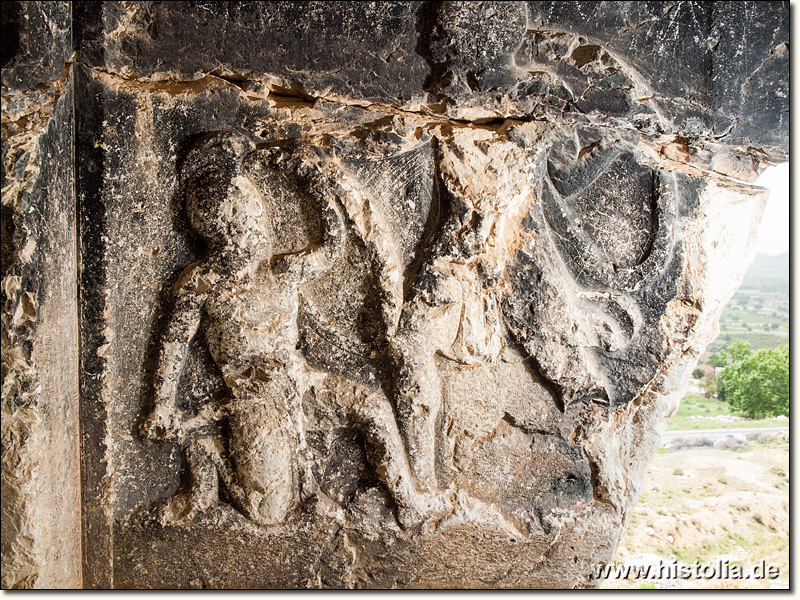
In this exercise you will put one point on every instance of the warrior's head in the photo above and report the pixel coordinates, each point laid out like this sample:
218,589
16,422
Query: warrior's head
224,206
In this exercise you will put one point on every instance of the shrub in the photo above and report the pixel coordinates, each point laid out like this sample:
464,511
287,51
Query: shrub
759,436
731,442
756,383
690,442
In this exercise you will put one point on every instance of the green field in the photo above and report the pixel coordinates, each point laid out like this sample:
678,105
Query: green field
744,316
694,405
758,313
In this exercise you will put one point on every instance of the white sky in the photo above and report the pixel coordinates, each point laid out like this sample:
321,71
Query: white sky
773,233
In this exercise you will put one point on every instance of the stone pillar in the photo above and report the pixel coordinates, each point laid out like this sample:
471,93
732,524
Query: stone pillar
40,432
362,294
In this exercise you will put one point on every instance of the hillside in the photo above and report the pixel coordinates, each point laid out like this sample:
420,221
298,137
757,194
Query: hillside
770,270
759,310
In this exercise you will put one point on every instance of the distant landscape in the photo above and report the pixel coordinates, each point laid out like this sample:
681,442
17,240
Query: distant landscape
708,504
708,499
758,313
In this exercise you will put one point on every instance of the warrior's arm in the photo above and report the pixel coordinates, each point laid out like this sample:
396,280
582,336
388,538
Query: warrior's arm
309,264
165,421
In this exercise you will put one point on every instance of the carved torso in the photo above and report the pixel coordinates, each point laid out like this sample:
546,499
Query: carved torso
251,321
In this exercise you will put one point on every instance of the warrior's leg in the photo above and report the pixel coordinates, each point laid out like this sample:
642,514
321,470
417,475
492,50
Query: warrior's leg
261,448
385,446
388,456
201,454
418,401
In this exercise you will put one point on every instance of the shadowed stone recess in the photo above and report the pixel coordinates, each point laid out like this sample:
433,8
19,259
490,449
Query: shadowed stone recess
362,294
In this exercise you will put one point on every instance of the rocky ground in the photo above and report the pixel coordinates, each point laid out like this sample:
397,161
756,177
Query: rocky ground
711,505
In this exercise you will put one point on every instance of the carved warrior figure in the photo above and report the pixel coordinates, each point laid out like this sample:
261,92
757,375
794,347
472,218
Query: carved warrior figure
245,299
452,308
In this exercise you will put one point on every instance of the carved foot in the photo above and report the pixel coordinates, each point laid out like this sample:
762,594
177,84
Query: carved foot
264,510
424,509
177,511
184,507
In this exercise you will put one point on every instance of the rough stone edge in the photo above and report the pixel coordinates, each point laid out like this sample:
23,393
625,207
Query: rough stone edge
625,444
41,510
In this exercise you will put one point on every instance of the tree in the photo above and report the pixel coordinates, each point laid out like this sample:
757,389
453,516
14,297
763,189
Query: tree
710,384
715,360
756,383
736,352
698,373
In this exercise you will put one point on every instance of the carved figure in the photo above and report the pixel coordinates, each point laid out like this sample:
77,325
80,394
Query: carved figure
452,313
452,309
245,299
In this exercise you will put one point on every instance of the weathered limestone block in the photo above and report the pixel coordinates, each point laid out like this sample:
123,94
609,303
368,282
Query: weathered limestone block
40,433
368,294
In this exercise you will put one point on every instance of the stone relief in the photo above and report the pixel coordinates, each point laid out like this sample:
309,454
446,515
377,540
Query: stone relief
611,221
245,299
279,220
371,294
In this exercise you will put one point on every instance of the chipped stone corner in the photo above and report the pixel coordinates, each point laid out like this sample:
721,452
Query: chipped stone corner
41,539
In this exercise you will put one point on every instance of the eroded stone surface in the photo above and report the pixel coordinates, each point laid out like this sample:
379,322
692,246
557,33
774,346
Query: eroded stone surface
370,294
41,501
